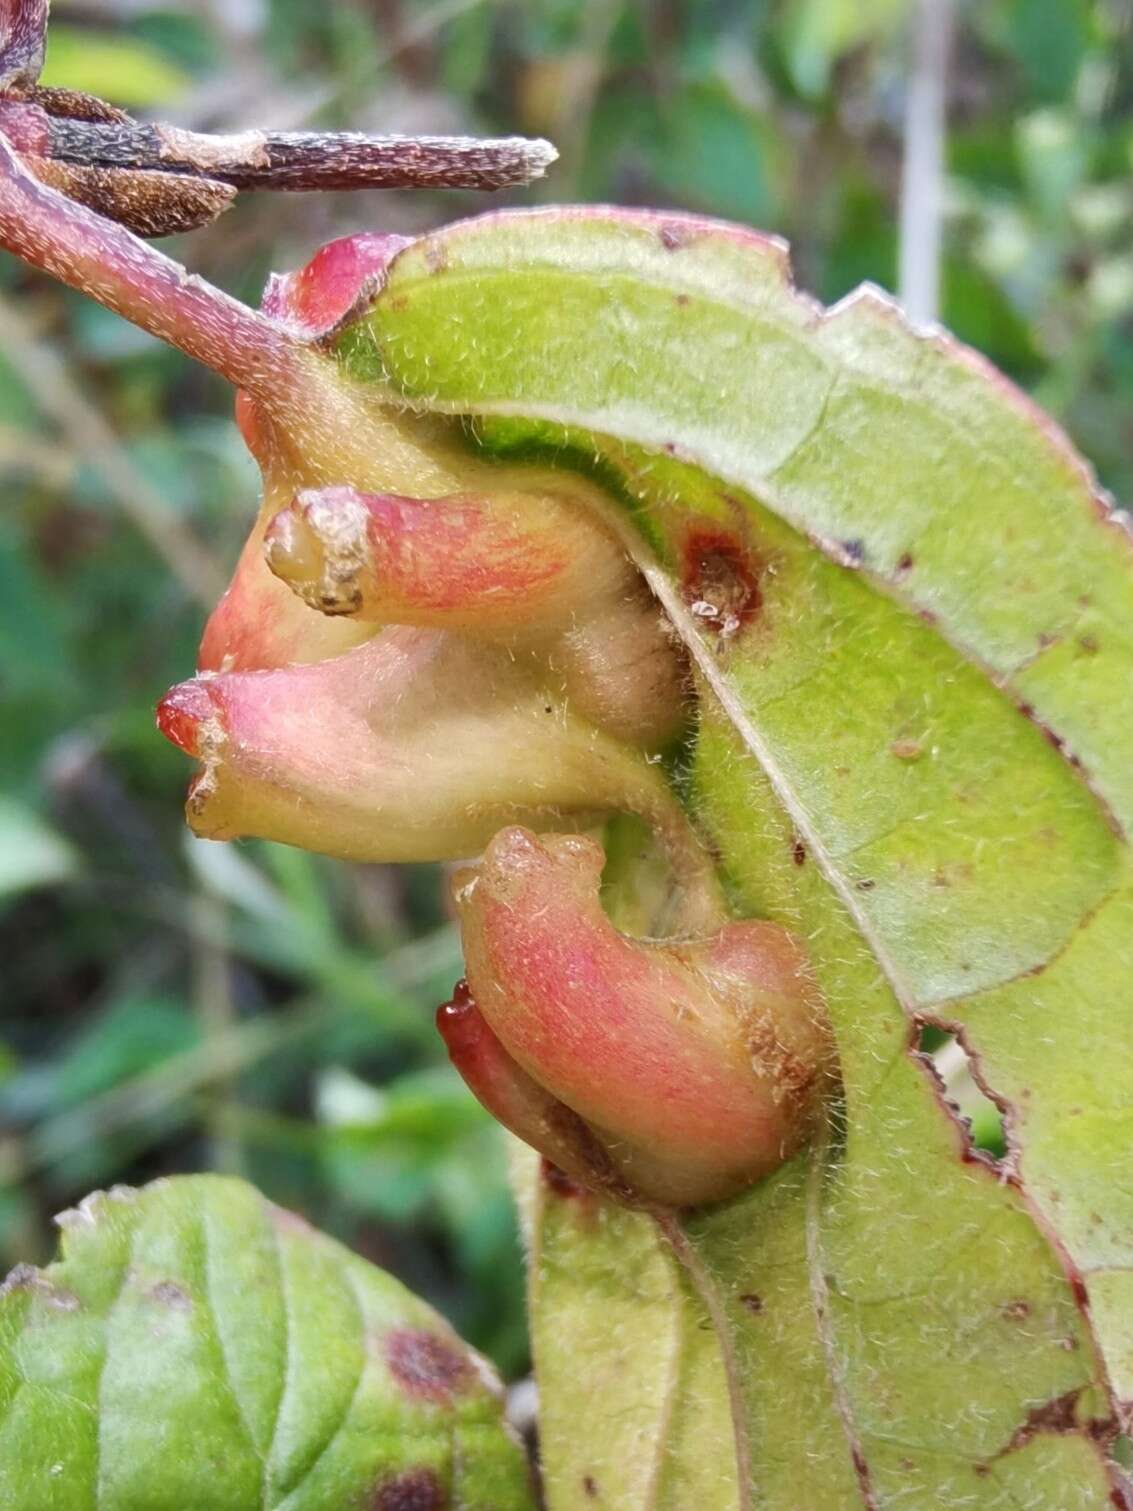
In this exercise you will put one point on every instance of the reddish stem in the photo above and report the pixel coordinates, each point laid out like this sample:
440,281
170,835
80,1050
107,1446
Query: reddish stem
23,29
107,262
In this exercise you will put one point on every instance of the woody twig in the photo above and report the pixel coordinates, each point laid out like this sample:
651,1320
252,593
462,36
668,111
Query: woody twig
156,178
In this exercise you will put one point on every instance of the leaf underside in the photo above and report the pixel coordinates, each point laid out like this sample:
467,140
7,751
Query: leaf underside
913,749
196,1346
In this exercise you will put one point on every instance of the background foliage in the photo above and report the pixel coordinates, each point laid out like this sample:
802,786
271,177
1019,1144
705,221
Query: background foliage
170,1005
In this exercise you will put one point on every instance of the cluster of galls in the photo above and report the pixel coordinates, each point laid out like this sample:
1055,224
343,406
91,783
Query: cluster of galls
425,656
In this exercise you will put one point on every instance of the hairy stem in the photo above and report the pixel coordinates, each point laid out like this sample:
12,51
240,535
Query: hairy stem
108,263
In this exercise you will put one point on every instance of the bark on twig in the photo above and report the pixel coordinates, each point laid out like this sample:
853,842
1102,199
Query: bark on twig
303,159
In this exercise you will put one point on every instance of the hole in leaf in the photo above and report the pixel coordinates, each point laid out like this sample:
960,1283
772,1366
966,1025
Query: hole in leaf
944,1053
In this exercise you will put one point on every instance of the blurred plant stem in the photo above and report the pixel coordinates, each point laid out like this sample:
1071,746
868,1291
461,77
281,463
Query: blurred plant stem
229,1049
587,66
89,436
216,1014
922,177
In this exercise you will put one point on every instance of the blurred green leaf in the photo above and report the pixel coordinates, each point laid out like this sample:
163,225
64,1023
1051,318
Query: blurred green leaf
979,312
16,406
127,1038
1048,39
718,155
128,72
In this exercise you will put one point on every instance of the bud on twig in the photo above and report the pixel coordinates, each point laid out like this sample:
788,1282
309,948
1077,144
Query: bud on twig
156,178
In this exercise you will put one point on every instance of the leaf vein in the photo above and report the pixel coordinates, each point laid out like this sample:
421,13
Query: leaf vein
226,1368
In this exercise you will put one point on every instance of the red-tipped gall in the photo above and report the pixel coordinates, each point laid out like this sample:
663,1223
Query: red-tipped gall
533,570
697,1066
417,745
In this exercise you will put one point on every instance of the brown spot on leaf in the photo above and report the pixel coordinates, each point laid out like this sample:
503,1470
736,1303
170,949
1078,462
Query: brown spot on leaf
905,562
681,299
25,1277
590,1486
1016,1311
169,1293
752,1303
907,750
951,874
720,580
412,1490
673,236
1088,645
866,884
426,1366
1058,1415
22,1278
798,852
1057,742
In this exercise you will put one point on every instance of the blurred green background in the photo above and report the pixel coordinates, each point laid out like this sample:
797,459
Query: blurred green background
170,1005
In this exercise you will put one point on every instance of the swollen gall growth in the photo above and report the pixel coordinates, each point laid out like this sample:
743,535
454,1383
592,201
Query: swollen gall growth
423,655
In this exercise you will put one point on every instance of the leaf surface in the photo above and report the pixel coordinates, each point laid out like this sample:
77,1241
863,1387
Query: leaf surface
197,1346
912,749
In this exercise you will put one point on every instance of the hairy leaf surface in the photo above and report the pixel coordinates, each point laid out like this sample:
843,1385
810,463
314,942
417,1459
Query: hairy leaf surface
196,1346
911,619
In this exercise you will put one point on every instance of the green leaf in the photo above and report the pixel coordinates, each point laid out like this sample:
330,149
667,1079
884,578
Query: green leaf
916,754
196,1346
